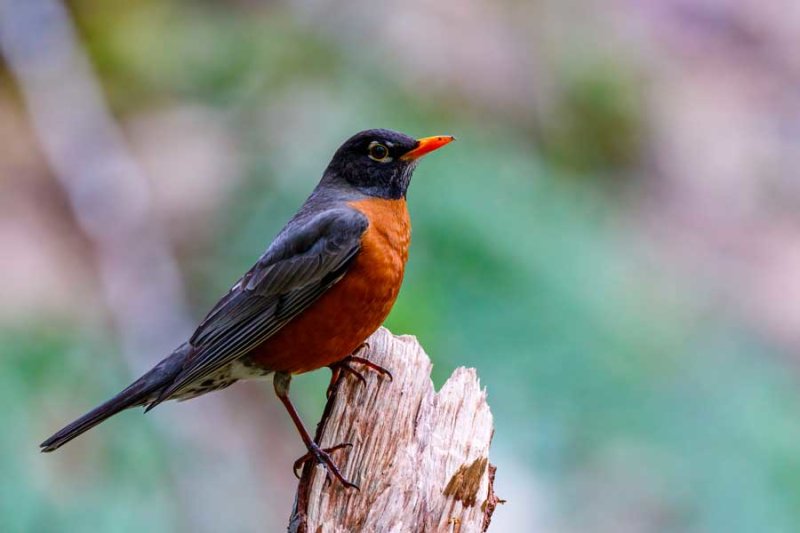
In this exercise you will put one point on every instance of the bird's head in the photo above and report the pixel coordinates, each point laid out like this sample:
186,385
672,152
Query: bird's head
380,162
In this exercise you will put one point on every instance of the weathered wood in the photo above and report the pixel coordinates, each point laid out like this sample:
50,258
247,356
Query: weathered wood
421,458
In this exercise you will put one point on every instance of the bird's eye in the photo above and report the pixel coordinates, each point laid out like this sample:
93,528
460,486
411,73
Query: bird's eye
379,152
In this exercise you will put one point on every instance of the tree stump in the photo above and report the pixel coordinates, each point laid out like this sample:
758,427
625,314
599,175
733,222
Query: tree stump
420,457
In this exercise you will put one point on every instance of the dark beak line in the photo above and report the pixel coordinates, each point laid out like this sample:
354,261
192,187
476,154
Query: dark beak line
427,145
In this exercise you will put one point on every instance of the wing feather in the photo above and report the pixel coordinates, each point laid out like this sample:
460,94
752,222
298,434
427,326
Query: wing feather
291,275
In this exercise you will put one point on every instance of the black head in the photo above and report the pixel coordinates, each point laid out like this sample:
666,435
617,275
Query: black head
380,162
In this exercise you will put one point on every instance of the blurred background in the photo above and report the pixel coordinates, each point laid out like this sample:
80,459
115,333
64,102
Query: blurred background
613,242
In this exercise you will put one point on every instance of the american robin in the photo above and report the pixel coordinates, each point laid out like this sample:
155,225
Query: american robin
327,281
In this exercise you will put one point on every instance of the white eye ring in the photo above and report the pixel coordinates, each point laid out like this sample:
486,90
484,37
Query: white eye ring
378,152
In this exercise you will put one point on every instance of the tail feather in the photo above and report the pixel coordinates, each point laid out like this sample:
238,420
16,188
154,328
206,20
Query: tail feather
140,392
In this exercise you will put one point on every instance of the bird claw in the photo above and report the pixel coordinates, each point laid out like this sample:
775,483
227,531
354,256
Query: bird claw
322,456
347,369
369,364
364,346
344,367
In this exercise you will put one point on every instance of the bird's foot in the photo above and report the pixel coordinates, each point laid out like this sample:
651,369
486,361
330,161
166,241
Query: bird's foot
322,456
345,366
363,347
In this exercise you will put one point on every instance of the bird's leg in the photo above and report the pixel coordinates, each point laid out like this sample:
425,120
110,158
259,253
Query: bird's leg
322,456
339,368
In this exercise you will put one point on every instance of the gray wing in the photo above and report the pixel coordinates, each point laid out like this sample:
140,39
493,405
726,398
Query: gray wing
293,273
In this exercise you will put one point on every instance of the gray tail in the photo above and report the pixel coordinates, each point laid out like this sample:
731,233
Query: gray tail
140,392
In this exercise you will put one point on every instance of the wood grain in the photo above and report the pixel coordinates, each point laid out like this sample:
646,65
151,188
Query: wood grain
420,457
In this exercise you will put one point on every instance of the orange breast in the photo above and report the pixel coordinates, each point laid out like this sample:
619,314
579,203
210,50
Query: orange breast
336,324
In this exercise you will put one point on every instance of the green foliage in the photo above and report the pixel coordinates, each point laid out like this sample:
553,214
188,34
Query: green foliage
50,376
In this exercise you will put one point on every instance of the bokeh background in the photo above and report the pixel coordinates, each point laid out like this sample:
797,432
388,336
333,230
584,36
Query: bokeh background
613,242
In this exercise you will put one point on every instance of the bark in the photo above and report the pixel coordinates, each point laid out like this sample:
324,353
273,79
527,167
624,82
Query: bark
421,458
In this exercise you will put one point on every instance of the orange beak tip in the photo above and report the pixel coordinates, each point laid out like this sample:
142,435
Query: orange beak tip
427,145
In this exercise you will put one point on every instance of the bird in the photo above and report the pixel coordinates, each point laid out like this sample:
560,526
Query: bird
326,282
